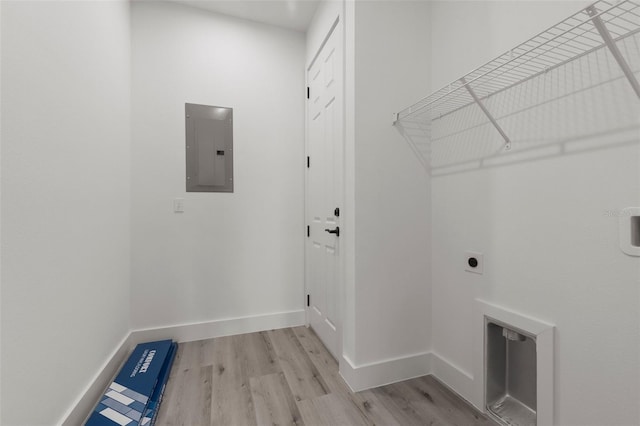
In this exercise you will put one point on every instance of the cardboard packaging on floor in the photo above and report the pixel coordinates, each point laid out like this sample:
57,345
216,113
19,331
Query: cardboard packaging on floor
134,397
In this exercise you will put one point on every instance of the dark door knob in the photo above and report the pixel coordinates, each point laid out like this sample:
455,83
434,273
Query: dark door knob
334,231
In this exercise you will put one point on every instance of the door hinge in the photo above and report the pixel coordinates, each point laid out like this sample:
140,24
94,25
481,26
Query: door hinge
308,162
308,92
308,231
308,300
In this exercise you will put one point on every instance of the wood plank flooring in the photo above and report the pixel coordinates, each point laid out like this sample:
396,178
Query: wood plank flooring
287,377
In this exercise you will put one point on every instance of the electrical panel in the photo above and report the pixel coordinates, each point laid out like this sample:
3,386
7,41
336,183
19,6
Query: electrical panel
209,145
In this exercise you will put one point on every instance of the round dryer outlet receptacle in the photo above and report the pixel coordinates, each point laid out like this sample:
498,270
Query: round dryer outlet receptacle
474,262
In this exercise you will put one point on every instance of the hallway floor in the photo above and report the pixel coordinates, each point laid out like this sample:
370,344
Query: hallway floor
287,377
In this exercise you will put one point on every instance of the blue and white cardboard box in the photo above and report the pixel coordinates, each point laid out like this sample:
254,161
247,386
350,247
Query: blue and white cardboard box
128,396
151,411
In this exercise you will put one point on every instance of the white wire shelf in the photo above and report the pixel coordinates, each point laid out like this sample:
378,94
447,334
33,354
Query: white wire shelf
606,25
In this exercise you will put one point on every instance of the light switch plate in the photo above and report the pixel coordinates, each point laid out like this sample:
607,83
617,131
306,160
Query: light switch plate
474,262
178,205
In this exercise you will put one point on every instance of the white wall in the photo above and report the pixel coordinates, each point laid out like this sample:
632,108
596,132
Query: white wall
65,200
392,214
387,309
550,247
227,255
0,212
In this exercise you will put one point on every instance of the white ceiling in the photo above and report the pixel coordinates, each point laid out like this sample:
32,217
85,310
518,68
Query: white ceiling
291,14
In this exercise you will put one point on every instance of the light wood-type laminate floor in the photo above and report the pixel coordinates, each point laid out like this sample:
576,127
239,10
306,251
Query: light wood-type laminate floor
287,377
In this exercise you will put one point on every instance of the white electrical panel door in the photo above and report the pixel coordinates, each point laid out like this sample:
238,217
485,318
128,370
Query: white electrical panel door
209,147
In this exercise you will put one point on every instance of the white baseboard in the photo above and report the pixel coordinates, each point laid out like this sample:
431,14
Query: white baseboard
403,368
384,372
79,411
454,377
218,328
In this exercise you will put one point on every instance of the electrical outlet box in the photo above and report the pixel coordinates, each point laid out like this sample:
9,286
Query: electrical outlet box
630,231
474,262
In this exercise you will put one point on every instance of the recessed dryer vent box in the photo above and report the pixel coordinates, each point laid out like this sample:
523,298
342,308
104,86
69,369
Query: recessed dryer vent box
513,366
510,375
630,231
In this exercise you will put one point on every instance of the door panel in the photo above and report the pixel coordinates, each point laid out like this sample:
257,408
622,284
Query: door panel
324,193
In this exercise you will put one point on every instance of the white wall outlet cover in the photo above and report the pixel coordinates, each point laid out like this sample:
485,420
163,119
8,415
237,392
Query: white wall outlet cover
474,262
629,231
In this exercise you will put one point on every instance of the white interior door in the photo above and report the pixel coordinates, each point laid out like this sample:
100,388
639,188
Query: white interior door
324,191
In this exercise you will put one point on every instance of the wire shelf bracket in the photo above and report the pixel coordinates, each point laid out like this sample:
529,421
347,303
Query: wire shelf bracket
487,113
613,48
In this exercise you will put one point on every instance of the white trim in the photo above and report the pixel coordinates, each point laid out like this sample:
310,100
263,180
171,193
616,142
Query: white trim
366,376
544,335
453,376
84,404
218,328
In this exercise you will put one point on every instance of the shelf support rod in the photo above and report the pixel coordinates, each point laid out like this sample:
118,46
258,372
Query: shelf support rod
613,48
487,113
